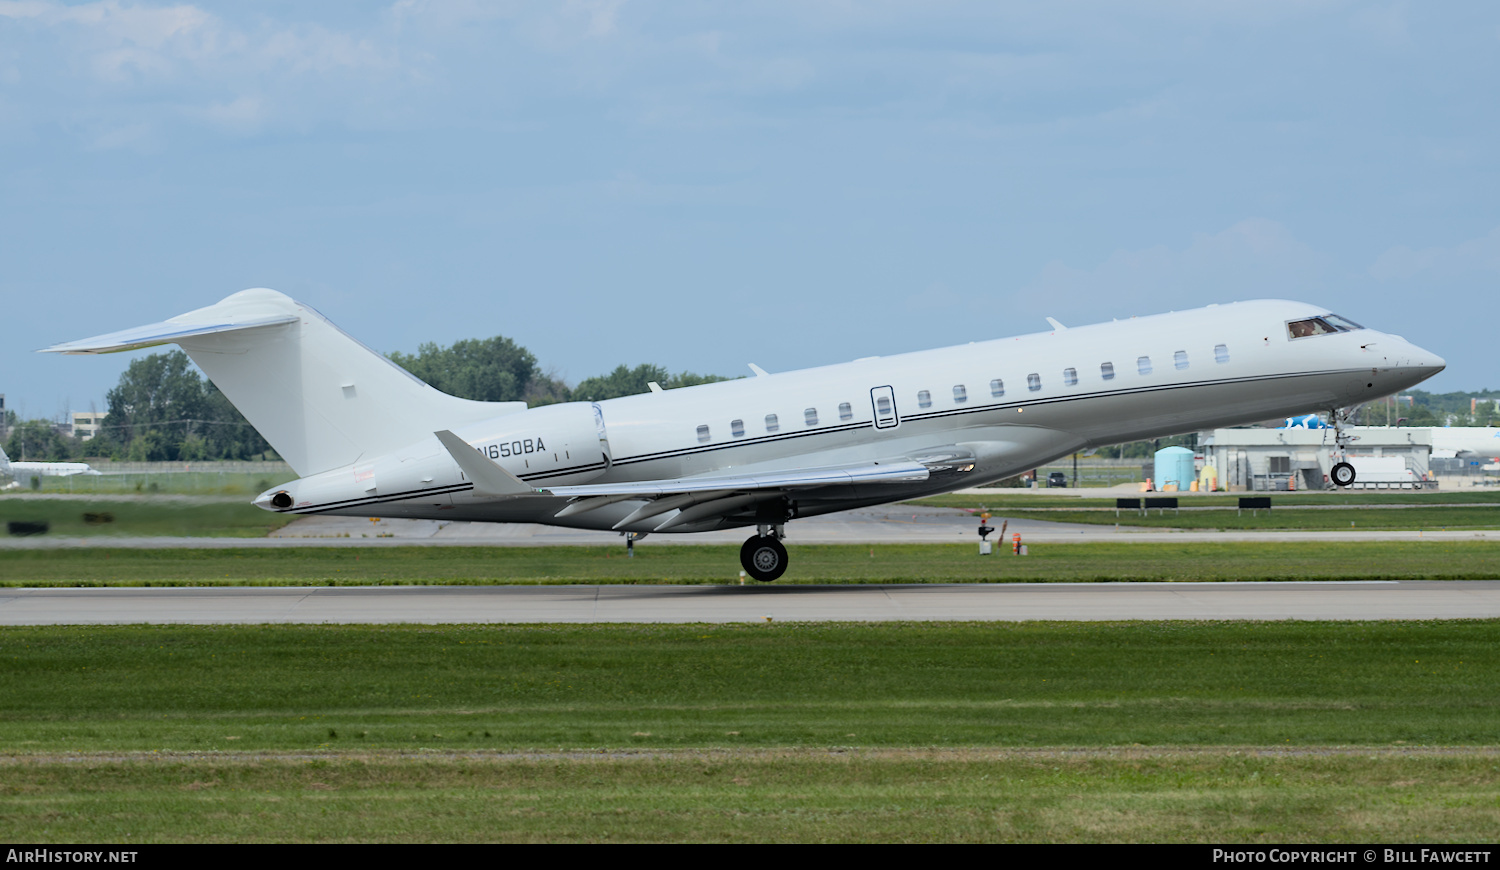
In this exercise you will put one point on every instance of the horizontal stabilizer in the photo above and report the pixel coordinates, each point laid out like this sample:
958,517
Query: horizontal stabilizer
165,332
489,478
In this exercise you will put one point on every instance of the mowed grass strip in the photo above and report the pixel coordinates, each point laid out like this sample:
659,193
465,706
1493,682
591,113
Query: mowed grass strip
1233,796
316,688
1010,499
1329,519
143,518
710,564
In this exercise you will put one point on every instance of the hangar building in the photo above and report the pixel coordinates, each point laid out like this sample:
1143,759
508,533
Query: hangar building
1270,460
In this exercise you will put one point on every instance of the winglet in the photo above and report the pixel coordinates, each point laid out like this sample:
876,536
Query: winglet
1055,325
759,372
489,478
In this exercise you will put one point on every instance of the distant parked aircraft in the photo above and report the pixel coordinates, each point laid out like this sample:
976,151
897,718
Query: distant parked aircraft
1466,442
27,470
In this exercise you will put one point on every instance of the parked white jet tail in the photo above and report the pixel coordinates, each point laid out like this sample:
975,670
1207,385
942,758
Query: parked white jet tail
321,398
4,463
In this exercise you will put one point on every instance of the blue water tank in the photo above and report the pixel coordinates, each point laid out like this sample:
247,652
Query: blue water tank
1174,465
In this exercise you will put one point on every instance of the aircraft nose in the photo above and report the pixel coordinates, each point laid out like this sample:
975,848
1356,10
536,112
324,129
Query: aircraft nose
1412,363
1423,360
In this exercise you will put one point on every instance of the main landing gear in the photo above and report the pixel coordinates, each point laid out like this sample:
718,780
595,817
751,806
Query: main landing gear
763,555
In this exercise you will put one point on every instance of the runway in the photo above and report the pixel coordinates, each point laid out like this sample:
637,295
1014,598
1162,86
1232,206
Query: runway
724,604
886,524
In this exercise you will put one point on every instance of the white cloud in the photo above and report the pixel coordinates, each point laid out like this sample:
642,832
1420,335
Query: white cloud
1254,258
138,137
242,115
1475,255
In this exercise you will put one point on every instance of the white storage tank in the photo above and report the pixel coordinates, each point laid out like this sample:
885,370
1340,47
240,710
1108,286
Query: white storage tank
1174,468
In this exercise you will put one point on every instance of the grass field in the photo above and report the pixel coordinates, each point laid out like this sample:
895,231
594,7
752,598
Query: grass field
244,484
1206,796
145,517
718,563
890,685
1042,731
1157,732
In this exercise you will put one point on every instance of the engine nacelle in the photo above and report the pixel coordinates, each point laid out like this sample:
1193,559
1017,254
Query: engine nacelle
556,445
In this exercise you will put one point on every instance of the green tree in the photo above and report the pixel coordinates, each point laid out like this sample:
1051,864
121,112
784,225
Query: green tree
625,381
37,441
487,370
162,410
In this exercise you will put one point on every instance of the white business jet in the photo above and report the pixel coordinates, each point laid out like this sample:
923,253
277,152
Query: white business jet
371,440
1466,442
27,470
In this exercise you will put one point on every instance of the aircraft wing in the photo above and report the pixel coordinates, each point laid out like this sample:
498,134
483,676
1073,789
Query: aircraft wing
699,499
875,472
693,498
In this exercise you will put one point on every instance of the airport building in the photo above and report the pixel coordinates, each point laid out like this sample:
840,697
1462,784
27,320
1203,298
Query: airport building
1278,460
86,423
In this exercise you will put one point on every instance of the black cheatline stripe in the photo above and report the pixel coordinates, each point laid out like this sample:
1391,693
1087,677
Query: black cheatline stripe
376,499
574,469
418,493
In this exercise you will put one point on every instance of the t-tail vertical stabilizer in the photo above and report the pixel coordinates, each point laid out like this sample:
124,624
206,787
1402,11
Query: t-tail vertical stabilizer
321,398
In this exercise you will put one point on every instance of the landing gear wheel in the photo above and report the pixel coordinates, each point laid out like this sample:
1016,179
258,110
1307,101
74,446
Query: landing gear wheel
764,558
1342,474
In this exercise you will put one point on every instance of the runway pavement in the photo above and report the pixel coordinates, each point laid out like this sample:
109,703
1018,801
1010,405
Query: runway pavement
680,604
888,524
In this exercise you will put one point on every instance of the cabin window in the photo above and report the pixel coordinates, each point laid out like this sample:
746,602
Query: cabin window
772,424
1221,353
997,388
1107,371
1070,377
1179,359
737,428
1033,382
960,393
812,416
883,405
924,399
1143,365
846,412
702,434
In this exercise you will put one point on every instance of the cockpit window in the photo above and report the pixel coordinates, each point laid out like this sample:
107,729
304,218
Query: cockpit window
1309,327
1328,324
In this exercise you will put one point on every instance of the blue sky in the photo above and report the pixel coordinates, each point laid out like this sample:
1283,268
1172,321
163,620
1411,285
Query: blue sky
705,185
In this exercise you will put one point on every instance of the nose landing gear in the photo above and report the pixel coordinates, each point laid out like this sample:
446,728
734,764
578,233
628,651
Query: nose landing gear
1342,473
763,555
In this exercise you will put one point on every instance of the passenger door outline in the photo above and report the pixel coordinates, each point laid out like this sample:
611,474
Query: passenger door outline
886,415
